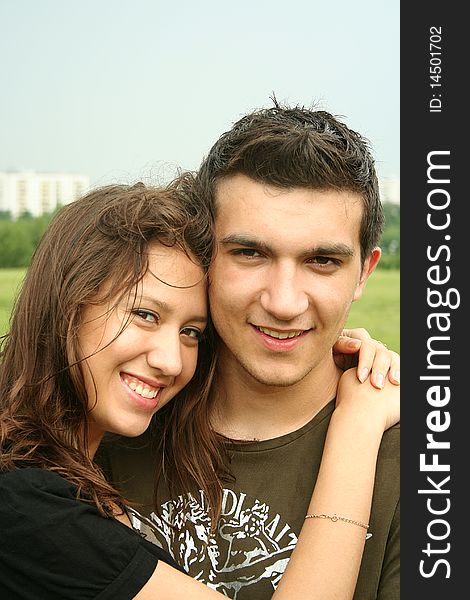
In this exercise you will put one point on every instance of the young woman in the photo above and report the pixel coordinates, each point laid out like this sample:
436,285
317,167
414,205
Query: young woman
111,323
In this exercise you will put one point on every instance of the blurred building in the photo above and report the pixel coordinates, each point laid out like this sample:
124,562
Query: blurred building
37,193
390,190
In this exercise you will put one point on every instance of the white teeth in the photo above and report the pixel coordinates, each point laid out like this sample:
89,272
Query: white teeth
145,392
280,335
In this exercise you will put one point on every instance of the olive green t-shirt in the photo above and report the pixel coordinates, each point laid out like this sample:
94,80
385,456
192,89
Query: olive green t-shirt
262,514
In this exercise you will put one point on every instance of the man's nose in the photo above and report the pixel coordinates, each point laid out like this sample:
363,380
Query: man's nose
283,294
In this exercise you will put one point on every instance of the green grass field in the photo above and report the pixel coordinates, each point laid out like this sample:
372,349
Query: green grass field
378,310
10,281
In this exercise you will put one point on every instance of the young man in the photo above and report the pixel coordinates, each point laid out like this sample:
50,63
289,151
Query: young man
297,222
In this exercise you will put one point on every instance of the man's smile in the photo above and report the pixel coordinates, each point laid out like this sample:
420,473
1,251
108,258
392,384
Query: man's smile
280,334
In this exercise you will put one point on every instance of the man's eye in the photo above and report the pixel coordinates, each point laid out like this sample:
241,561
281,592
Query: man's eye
324,260
146,315
247,252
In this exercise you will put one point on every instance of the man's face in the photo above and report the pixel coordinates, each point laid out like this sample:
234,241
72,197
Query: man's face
286,272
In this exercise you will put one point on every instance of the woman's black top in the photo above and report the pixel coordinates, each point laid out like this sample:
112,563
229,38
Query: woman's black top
55,547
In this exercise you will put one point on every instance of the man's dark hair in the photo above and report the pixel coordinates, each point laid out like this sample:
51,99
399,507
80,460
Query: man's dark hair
290,147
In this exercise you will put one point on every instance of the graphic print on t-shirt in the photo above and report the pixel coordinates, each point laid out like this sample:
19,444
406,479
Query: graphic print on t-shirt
252,546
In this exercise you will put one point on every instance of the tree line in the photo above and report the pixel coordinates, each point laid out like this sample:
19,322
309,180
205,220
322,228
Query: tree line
20,237
390,240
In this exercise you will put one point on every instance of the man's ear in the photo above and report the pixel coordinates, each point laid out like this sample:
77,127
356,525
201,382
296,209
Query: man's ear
369,266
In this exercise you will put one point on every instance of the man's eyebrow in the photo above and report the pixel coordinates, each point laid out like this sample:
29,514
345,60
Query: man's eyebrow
243,240
322,249
337,249
165,307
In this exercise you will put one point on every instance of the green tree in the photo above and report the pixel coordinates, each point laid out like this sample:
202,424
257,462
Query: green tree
390,240
16,245
19,239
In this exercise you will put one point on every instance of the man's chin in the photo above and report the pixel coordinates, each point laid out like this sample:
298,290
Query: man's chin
278,378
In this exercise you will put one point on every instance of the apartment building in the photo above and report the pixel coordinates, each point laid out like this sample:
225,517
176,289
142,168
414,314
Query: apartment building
390,190
37,193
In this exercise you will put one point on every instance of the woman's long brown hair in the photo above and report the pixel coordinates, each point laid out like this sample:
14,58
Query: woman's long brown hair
99,238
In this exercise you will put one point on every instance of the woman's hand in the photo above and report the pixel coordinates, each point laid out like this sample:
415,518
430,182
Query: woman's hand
356,348
366,403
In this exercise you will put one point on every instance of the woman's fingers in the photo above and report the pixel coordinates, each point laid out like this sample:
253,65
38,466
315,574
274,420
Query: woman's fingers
356,348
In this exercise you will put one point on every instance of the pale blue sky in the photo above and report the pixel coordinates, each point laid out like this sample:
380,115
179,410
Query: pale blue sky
127,90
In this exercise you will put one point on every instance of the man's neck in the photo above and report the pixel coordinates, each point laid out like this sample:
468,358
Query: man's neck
245,409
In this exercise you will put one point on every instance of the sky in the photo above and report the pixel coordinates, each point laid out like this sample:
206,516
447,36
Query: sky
132,90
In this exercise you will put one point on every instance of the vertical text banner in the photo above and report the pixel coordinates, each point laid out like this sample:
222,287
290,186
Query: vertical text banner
435,238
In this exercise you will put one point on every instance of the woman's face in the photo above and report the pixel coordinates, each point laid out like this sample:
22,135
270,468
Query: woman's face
129,378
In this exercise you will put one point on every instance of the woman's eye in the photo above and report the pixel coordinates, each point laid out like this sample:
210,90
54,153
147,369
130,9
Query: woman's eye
146,315
190,332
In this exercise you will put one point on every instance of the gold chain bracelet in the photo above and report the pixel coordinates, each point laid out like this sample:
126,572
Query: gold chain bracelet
336,517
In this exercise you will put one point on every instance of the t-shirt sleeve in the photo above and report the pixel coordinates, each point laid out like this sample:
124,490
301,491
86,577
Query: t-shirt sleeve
55,546
389,588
